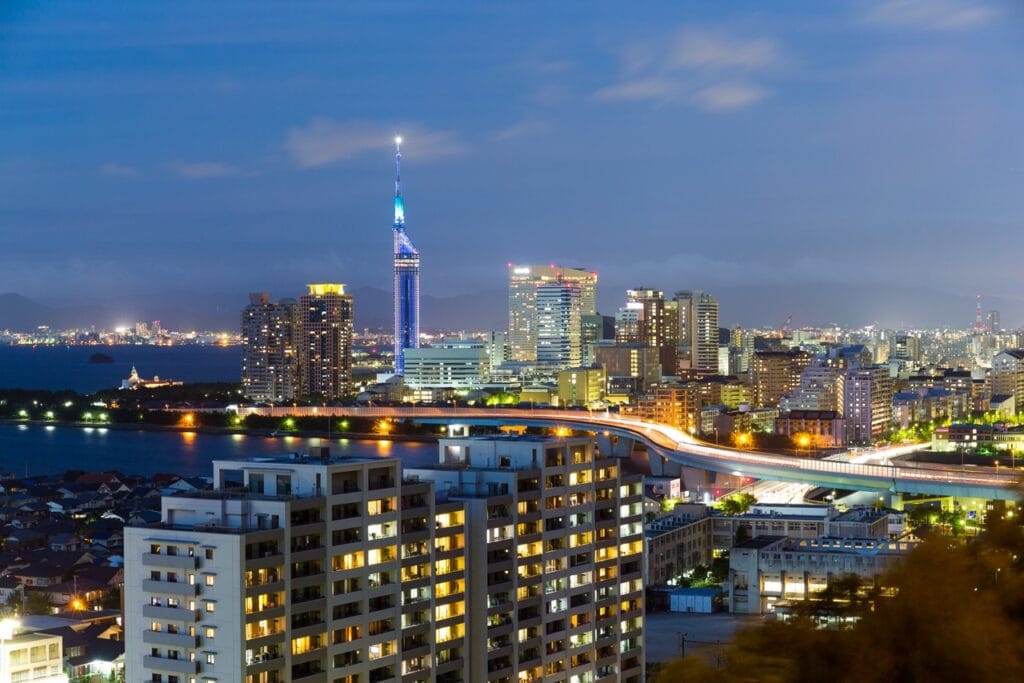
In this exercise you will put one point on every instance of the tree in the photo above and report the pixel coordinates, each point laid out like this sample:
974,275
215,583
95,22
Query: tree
956,614
37,602
736,504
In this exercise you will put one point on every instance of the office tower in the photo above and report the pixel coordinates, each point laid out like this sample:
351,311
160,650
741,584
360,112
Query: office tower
992,320
523,281
656,324
866,403
407,275
558,324
497,348
774,374
697,330
325,346
628,320
312,566
630,360
554,558
581,386
269,360
456,364
592,331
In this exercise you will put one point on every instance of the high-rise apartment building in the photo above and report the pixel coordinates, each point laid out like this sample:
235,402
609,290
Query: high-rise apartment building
269,359
905,347
325,345
523,281
656,325
558,325
816,389
775,374
554,558
407,276
333,569
741,350
674,404
514,559
1007,377
697,330
866,403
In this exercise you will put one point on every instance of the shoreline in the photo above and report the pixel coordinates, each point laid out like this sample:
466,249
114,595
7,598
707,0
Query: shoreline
223,431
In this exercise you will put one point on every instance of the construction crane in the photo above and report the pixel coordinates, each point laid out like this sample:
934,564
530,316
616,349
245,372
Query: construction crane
785,328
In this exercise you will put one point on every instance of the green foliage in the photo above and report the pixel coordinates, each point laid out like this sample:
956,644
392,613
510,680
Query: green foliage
736,504
956,613
37,602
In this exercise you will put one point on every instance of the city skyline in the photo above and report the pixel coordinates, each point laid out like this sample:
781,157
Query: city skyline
700,148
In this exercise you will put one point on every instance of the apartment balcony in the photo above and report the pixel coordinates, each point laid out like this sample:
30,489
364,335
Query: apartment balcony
180,666
170,587
179,640
174,561
170,613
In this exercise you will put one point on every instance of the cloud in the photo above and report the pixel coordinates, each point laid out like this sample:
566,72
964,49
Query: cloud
654,88
729,96
519,130
324,141
201,170
698,67
695,49
119,170
931,15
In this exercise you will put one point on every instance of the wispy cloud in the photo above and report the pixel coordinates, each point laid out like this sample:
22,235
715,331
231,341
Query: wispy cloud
931,15
709,69
119,170
201,170
654,88
325,141
521,129
723,96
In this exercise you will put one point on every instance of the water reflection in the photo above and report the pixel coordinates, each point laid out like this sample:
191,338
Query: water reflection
186,453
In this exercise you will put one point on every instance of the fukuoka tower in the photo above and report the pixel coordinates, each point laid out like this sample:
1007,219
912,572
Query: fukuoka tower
407,276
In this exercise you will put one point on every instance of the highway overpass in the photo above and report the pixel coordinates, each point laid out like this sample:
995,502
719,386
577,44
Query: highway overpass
674,445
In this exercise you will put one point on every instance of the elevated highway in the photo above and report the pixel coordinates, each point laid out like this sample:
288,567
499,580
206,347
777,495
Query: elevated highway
674,445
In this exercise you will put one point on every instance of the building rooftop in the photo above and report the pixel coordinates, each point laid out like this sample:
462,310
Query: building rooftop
759,542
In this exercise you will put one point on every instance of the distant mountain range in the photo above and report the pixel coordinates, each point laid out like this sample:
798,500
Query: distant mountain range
848,305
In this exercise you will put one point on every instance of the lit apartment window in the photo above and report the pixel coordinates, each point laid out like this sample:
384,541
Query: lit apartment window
347,561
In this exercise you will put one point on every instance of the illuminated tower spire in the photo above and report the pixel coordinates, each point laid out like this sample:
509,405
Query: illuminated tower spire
407,276
399,206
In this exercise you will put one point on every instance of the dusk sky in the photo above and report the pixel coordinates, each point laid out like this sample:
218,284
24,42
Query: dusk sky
155,148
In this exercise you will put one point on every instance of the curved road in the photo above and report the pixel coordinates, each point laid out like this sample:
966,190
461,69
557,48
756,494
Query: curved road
678,446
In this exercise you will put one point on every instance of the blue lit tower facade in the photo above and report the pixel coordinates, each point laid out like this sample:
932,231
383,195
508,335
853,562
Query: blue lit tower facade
407,276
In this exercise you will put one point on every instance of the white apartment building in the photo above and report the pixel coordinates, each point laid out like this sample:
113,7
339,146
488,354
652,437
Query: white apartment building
300,573
513,559
30,657
866,403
